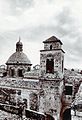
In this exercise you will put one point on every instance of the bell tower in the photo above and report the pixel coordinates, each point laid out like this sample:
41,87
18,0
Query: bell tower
51,77
52,57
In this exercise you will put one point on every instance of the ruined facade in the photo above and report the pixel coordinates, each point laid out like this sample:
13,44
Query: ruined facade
48,88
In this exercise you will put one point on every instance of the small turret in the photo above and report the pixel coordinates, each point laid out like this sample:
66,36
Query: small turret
19,46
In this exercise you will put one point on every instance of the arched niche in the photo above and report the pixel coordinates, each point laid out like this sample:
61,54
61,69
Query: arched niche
20,72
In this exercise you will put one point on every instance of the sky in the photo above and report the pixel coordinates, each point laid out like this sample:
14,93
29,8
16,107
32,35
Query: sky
35,21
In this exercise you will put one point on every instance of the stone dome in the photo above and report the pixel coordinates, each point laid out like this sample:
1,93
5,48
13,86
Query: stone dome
18,58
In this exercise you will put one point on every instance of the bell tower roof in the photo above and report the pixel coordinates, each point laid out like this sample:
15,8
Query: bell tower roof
19,46
52,39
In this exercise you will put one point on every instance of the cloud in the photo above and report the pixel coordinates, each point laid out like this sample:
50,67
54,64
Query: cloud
68,30
26,13
35,21
19,6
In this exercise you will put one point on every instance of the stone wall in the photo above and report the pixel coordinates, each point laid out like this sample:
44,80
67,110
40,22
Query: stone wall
55,45
20,83
57,56
24,69
50,97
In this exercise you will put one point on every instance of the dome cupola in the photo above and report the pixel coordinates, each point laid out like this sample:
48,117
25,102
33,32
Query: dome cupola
18,57
19,46
18,62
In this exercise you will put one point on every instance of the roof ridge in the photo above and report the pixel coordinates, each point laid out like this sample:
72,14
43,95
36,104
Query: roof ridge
52,39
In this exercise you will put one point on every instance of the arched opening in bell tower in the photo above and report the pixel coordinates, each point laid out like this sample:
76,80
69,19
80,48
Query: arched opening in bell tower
50,65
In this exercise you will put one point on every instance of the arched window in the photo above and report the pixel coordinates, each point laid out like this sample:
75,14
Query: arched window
20,72
50,65
50,47
28,69
12,72
67,114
